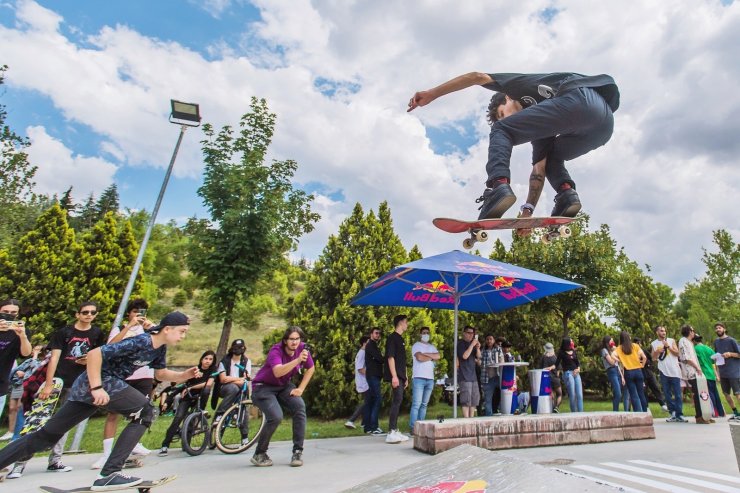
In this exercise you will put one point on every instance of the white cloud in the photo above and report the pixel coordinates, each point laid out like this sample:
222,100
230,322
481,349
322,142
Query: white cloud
59,166
663,183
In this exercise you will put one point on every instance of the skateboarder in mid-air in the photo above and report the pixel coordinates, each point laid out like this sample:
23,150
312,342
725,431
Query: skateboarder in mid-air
104,385
563,115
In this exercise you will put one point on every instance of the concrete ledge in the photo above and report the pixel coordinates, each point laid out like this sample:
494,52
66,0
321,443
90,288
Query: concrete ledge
507,432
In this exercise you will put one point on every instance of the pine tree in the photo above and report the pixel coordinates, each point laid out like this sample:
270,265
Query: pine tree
109,201
67,203
87,216
48,262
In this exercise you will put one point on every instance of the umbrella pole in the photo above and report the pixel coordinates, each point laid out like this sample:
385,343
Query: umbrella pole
454,357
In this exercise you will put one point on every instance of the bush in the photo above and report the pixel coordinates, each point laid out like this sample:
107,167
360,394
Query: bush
180,298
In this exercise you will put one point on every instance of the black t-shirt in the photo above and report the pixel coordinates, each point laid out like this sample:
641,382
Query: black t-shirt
395,347
373,360
10,350
73,344
467,366
568,362
530,89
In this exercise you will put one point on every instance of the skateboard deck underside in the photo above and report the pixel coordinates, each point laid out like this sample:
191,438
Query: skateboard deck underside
451,225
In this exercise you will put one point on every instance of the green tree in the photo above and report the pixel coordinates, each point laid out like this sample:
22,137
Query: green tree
67,203
7,286
109,201
87,217
47,262
256,214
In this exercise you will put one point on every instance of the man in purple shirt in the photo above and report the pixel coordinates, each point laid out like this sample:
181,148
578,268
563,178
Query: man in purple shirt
272,387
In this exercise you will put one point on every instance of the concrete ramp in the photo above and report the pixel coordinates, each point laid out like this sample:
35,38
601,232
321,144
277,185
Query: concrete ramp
469,469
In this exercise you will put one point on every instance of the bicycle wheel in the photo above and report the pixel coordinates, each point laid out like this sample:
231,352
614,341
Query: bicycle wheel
239,418
194,433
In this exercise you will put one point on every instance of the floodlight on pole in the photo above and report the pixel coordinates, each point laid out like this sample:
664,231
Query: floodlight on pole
186,115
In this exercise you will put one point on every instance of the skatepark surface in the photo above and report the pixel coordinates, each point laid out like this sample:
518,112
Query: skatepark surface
684,457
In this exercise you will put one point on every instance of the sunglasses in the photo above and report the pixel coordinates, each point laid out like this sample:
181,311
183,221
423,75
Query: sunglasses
89,312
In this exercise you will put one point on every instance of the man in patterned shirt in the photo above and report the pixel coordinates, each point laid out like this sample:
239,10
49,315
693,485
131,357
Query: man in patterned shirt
104,385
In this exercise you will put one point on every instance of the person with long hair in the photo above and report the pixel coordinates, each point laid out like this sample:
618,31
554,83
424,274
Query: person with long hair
568,361
633,359
273,389
613,372
196,390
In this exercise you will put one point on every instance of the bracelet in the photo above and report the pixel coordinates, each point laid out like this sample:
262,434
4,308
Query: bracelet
96,388
527,206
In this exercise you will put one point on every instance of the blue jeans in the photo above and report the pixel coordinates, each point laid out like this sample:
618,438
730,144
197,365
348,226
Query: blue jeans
372,409
489,390
672,391
615,381
575,390
636,386
421,391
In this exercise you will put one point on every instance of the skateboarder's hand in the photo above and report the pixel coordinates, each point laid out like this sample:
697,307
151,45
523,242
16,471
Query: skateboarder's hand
45,392
100,397
421,98
524,232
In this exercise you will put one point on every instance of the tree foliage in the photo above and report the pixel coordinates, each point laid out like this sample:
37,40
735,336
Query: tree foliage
257,215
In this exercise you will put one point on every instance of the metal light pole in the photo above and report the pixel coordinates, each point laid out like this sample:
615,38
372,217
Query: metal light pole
186,115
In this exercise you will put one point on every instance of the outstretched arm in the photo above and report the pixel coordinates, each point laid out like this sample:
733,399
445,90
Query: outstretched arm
423,98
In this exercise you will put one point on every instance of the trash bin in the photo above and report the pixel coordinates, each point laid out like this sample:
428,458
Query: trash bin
539,391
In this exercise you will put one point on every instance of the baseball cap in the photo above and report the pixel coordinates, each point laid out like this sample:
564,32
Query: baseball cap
171,319
506,344
549,346
238,342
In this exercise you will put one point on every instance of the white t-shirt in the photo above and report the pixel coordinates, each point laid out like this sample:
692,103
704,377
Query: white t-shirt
140,373
234,370
360,380
669,365
422,369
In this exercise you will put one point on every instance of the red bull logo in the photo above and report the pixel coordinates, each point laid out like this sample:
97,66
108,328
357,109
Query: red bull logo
474,486
502,282
514,293
433,289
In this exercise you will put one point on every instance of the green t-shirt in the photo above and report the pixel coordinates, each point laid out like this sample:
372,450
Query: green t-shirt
704,354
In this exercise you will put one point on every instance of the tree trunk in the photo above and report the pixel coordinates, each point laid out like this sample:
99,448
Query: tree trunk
223,343
565,318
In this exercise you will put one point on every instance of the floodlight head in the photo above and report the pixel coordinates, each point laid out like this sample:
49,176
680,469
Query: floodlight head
185,113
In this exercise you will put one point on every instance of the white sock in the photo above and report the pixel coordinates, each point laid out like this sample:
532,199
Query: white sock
107,446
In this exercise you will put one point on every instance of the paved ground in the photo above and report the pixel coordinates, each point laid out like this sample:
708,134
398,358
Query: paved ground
336,464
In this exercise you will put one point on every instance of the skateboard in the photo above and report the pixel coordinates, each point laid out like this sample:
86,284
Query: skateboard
143,487
705,403
41,411
556,225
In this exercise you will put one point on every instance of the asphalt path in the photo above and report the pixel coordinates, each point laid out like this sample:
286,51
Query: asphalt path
701,457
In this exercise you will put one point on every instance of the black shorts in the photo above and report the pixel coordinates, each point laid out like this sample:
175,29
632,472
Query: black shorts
143,385
730,385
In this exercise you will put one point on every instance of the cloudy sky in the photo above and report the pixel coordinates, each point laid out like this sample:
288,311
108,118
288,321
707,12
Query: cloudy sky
90,83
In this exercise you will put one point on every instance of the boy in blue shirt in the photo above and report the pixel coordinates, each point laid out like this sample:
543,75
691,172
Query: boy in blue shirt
104,385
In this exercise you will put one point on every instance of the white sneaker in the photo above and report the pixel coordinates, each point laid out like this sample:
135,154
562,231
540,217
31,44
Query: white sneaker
393,437
402,437
98,464
349,424
17,470
664,408
7,436
140,450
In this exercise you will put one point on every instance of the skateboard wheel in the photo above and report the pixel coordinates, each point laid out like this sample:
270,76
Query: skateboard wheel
468,243
481,236
564,231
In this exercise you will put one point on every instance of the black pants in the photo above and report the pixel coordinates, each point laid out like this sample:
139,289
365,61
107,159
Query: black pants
269,399
186,404
396,399
562,128
652,384
128,402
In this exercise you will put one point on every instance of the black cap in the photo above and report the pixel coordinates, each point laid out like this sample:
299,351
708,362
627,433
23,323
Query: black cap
238,342
506,344
171,319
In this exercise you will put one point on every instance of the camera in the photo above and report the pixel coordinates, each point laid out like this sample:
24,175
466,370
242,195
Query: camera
7,316
142,313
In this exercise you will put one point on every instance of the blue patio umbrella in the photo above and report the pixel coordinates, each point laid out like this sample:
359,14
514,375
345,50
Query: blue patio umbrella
460,281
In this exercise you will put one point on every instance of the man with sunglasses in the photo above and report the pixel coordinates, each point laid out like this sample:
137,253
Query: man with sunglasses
69,347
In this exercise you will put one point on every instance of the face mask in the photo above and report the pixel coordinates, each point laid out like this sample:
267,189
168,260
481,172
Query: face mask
425,337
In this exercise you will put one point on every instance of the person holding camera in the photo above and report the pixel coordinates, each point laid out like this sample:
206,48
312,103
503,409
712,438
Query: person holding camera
468,356
272,388
14,343
69,347
665,351
142,379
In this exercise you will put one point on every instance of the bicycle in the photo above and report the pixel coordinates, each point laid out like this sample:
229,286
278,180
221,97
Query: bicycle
195,432
242,415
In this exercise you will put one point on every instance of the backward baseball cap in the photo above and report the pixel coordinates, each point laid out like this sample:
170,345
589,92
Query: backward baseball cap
172,319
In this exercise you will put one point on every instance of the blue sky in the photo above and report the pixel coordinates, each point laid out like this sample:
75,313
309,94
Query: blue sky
90,82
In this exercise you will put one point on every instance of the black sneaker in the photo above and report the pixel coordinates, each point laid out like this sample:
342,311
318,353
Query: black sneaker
115,481
163,452
496,201
261,460
58,467
296,460
567,204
